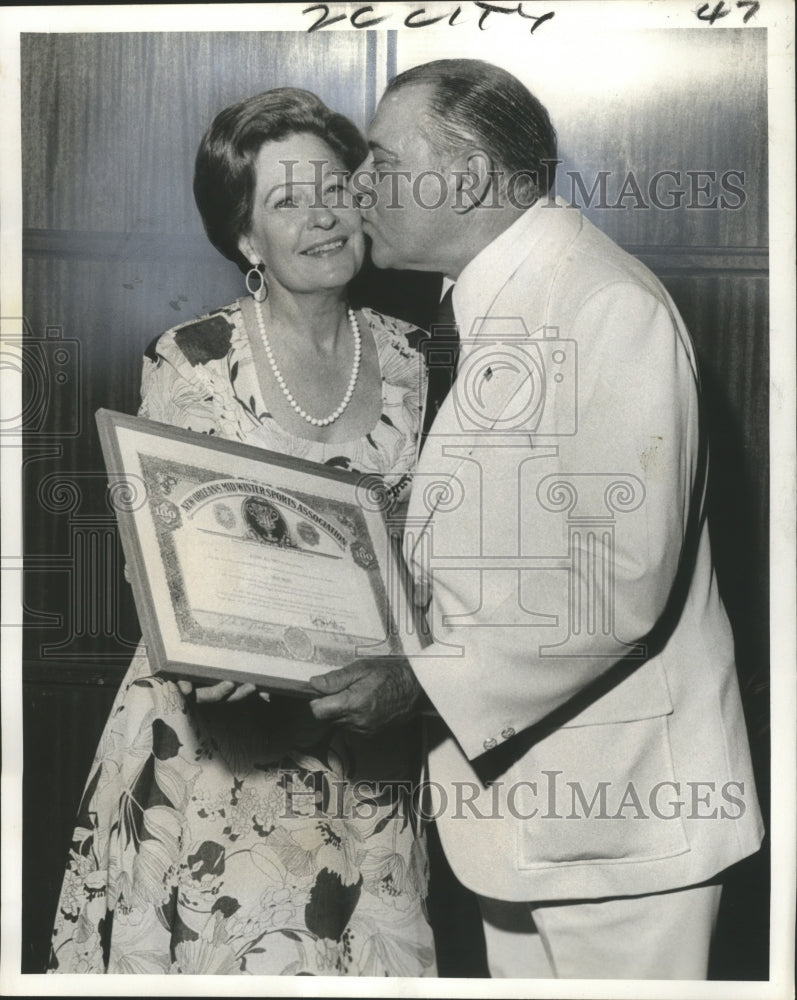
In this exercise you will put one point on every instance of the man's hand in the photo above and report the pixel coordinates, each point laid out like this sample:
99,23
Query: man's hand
367,695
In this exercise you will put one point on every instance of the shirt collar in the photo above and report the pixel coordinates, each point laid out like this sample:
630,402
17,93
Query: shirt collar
483,278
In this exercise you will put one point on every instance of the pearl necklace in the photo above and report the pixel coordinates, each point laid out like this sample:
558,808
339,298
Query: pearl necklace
280,378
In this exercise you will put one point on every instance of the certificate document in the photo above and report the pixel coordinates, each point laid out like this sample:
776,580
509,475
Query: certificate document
250,565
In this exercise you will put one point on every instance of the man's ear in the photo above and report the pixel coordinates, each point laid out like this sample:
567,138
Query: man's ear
473,178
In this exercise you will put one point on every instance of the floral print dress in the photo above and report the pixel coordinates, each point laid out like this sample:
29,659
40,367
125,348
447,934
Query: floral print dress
246,837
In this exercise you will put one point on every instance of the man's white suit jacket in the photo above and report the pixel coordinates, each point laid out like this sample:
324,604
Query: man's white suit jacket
592,740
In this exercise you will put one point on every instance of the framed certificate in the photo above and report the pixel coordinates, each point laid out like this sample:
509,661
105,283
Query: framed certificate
249,565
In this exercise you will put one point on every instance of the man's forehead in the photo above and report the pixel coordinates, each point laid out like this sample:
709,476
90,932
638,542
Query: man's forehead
399,113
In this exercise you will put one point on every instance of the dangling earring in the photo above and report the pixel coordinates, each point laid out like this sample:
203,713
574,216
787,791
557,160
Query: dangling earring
259,294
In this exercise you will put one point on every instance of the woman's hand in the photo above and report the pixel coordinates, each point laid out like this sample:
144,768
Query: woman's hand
223,691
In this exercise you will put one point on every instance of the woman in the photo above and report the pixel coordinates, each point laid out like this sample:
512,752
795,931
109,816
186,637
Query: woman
226,837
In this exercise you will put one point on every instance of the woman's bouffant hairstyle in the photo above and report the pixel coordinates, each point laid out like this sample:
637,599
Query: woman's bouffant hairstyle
224,175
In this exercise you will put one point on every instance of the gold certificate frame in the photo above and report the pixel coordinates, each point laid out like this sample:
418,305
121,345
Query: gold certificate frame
249,565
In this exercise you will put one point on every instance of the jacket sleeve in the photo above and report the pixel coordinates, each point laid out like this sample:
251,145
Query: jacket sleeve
599,521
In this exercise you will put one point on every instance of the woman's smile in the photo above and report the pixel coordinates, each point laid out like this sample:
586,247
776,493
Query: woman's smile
327,248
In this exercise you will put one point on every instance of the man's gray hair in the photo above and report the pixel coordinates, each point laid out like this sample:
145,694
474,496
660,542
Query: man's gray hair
475,102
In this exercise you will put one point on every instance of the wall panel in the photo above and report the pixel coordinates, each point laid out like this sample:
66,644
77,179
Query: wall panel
112,121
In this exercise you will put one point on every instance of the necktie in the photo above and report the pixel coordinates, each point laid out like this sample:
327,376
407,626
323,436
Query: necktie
441,351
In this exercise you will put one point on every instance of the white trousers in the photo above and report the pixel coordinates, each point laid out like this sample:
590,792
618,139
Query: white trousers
662,936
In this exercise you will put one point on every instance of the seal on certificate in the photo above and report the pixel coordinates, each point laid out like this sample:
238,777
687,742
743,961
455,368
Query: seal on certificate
308,533
298,643
224,515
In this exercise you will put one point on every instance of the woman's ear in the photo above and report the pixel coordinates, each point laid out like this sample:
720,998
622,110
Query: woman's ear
245,246
472,178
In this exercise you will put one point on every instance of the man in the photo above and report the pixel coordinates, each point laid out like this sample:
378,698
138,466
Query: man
590,761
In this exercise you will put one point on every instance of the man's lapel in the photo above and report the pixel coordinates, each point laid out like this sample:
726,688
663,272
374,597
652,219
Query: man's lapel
488,379
490,376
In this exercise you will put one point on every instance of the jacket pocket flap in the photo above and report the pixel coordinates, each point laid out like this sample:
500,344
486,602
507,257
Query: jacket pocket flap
641,693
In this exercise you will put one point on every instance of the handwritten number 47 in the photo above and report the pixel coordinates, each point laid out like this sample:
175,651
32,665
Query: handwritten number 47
720,10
